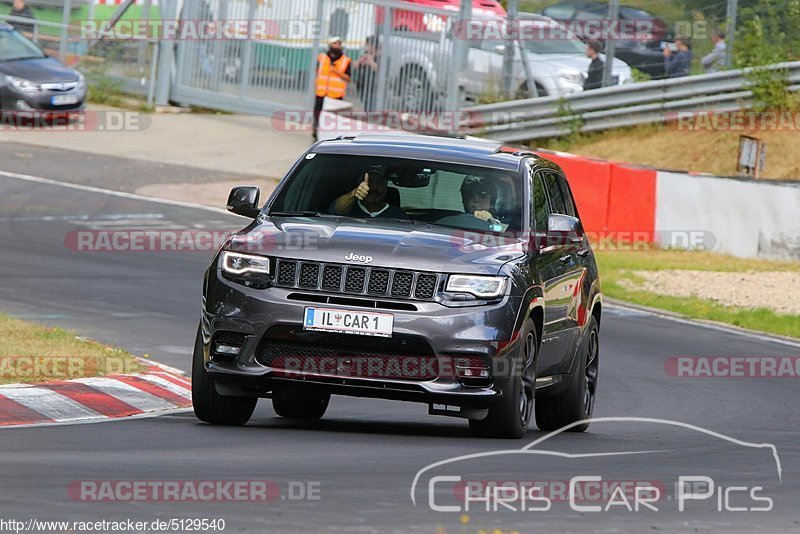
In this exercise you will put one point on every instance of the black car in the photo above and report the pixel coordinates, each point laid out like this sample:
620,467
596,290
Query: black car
643,54
30,81
443,271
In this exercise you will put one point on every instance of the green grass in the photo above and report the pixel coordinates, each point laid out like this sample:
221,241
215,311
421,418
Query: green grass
617,267
32,353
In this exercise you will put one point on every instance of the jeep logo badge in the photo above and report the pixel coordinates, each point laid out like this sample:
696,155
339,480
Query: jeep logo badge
359,258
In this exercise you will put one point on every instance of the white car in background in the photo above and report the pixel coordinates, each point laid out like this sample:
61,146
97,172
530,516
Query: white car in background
557,62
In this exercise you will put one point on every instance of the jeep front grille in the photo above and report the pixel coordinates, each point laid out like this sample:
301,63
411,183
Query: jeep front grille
357,280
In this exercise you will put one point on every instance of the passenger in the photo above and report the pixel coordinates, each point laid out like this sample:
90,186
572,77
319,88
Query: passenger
368,199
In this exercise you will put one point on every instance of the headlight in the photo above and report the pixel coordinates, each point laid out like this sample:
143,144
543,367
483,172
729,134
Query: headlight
485,287
22,85
247,269
433,23
81,81
575,78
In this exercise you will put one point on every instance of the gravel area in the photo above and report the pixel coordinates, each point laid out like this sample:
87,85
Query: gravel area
774,290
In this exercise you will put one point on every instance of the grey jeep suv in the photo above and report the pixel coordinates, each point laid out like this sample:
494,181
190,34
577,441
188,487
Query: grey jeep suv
442,271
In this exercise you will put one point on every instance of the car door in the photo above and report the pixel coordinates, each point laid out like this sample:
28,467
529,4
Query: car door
560,273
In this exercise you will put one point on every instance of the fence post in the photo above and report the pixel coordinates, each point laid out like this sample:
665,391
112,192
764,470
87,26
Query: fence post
312,60
62,44
247,50
730,31
613,16
383,65
460,51
166,52
508,53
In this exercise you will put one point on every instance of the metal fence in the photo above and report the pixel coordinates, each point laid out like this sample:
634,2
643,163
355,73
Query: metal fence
615,107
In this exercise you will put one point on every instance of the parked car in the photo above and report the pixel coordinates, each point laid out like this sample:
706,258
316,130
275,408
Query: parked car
420,68
643,54
415,21
473,313
31,81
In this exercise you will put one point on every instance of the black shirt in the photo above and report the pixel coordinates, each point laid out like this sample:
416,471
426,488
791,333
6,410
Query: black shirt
594,80
25,12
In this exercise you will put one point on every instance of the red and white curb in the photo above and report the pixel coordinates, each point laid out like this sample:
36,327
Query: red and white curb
156,391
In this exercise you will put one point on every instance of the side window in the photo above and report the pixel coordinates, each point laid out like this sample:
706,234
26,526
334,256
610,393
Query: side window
554,192
540,208
568,201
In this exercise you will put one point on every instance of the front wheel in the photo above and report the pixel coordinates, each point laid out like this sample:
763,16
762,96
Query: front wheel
510,417
209,406
576,402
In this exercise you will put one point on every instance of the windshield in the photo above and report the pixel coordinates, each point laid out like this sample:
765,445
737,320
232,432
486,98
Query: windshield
459,196
553,41
14,45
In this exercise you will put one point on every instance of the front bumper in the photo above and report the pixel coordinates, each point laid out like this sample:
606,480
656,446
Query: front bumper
268,317
18,102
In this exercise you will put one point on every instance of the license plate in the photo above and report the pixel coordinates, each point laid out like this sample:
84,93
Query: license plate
348,321
63,100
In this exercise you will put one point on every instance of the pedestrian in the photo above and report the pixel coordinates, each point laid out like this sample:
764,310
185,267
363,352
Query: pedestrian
366,72
594,77
333,74
715,60
679,62
22,10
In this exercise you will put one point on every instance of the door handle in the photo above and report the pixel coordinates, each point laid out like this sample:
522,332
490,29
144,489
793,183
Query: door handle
566,258
584,252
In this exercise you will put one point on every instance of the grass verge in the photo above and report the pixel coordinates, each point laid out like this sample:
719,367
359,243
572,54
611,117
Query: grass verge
617,268
32,353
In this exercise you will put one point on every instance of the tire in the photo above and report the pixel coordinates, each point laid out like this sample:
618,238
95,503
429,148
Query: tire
298,404
415,92
523,92
576,402
511,416
210,406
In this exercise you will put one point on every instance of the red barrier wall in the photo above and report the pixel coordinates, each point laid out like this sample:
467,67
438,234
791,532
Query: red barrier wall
590,180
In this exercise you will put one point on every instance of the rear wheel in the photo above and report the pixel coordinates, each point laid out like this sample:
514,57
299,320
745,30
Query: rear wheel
299,404
415,91
210,406
523,92
510,417
576,402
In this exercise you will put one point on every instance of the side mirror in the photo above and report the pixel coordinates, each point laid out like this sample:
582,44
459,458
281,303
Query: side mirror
243,201
564,230
500,49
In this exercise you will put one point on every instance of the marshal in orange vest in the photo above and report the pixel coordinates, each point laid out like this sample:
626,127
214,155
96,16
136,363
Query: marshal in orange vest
328,83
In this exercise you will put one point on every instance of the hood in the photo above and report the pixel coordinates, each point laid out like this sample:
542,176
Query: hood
40,70
573,62
390,244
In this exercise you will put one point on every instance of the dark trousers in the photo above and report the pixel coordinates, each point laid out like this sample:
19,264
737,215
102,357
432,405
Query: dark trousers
318,101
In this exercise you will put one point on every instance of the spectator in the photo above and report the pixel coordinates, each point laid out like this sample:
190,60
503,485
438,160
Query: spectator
22,10
594,78
333,74
678,63
366,74
715,60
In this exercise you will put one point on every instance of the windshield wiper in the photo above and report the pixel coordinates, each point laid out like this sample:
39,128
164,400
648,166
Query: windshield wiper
24,58
299,213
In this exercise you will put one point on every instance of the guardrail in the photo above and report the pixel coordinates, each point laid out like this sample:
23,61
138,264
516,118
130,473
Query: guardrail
619,106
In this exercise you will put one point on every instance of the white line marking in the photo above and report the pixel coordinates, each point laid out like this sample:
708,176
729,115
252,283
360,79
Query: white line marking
127,393
134,196
148,415
692,322
50,404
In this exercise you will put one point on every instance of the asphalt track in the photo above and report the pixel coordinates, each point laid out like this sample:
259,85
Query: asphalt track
362,458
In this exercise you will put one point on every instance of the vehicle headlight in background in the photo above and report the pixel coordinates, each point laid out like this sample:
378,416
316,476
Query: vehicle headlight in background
574,77
433,23
81,81
22,85
247,269
485,287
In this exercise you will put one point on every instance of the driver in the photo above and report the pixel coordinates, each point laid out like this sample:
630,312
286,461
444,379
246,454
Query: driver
368,200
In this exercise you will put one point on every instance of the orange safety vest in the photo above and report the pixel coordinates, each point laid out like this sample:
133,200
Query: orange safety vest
329,84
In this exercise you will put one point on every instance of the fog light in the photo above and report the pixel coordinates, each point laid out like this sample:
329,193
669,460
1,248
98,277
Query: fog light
226,349
472,371
24,106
